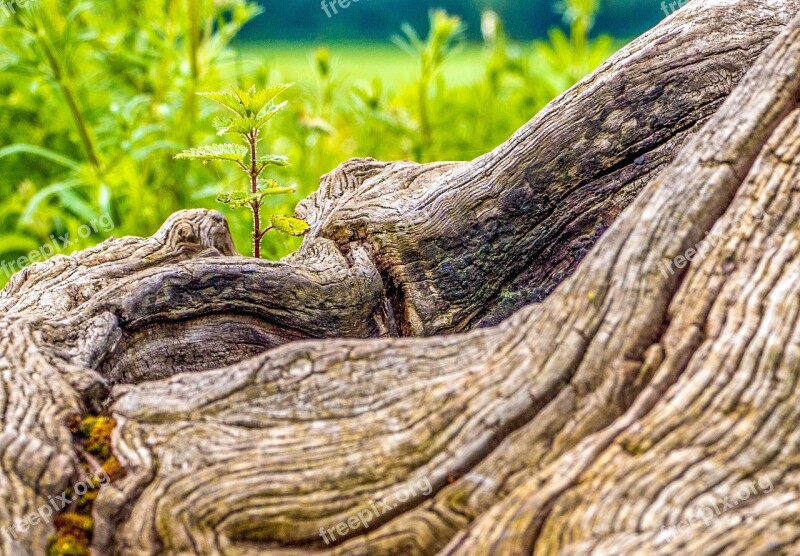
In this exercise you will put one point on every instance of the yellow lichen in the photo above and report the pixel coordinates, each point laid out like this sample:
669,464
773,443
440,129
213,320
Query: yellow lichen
67,546
95,433
75,526
74,535
113,469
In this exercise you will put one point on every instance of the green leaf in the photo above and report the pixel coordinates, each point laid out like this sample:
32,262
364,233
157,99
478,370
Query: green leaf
272,187
243,95
289,225
266,95
242,126
219,151
222,124
44,194
228,100
76,205
106,199
268,112
274,160
239,199
40,151
17,243
255,101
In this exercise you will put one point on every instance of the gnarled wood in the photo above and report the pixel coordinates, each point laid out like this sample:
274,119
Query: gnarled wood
253,410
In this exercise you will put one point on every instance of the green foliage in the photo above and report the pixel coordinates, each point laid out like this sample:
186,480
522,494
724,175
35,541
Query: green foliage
442,42
273,160
289,225
227,151
252,109
94,98
569,57
97,97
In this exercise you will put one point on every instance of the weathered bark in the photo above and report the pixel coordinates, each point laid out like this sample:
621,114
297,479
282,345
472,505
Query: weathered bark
635,392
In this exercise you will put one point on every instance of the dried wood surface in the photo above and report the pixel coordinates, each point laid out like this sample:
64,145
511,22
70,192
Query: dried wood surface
436,328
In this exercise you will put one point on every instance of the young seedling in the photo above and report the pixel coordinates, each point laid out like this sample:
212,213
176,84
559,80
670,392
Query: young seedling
252,111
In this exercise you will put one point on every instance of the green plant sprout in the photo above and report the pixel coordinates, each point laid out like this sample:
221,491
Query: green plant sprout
253,109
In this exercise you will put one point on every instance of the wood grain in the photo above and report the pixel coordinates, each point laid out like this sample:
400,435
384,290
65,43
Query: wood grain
502,331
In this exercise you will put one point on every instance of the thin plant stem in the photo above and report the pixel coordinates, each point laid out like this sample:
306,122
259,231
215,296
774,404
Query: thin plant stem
255,206
71,98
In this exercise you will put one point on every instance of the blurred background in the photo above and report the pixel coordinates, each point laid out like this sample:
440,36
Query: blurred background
376,20
97,97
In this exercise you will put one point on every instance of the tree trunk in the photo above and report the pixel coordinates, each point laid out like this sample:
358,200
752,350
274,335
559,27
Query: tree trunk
447,397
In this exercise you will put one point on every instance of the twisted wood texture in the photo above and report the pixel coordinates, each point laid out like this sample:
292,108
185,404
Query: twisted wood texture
578,343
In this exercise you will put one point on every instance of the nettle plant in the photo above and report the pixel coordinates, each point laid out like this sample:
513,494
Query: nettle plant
252,110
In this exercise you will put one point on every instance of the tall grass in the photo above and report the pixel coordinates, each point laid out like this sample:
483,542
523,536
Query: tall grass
97,97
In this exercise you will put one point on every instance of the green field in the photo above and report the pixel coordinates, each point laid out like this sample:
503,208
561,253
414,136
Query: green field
294,62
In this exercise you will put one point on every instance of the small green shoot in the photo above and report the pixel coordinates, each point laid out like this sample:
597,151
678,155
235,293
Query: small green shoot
252,109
